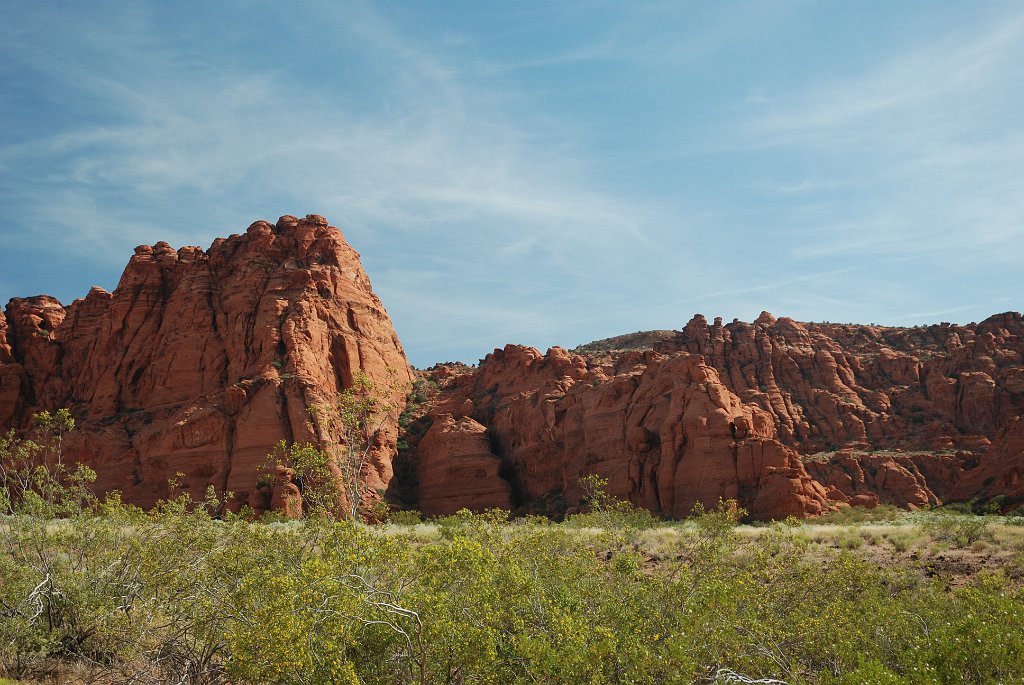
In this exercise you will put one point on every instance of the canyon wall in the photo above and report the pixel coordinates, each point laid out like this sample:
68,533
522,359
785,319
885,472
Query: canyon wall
663,429
830,386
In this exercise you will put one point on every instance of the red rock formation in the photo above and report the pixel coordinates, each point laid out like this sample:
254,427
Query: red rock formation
200,361
831,386
1001,469
701,414
285,496
12,377
913,480
459,470
663,430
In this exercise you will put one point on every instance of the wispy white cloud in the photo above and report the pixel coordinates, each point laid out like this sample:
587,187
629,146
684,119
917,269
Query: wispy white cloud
435,160
443,155
925,138
923,78
488,202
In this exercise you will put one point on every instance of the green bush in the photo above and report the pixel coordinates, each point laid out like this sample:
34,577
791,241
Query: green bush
958,529
606,511
183,597
177,595
847,515
405,517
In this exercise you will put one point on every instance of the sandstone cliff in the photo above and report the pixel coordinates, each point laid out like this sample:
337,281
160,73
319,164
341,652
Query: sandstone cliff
787,417
199,361
662,428
832,386
1000,474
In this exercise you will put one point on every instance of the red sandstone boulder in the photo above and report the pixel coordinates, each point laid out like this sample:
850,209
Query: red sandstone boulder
285,496
200,361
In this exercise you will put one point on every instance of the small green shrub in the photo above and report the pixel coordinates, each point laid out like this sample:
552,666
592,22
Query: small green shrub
405,517
626,517
961,530
848,515
607,511
851,540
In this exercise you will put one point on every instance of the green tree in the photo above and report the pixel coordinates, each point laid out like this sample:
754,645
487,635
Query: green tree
356,419
315,474
33,476
49,429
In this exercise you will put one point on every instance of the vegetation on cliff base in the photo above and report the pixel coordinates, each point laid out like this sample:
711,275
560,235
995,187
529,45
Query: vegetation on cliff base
99,591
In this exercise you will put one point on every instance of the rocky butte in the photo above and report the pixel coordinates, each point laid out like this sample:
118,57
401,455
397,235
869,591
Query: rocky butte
200,361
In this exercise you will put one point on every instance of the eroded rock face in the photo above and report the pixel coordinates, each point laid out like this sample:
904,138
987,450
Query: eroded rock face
458,469
12,377
1000,471
880,415
928,391
662,428
912,480
200,361
834,386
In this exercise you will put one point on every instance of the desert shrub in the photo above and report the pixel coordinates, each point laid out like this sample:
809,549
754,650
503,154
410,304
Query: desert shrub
405,517
624,517
900,543
850,540
872,672
179,595
532,520
849,515
332,602
958,529
140,594
608,512
311,619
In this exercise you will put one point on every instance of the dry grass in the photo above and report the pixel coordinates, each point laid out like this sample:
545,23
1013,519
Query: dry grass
891,542
903,543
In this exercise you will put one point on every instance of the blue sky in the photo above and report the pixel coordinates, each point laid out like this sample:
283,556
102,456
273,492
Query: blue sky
535,172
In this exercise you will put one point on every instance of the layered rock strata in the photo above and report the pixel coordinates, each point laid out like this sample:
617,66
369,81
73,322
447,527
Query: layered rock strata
200,361
786,417
1000,473
662,428
459,470
833,386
